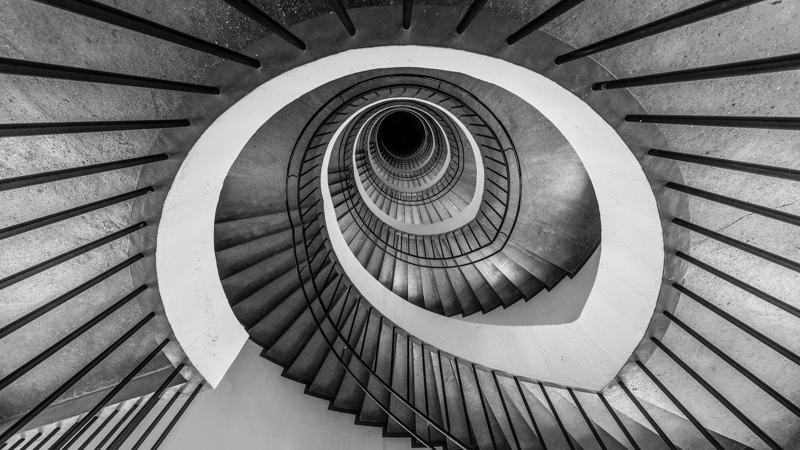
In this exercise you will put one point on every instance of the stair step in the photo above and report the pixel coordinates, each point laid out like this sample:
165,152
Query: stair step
237,258
234,232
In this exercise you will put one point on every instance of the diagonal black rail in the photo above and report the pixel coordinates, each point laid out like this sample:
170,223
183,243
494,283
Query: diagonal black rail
341,12
122,19
736,203
472,12
256,14
20,67
83,423
739,166
773,123
737,69
66,256
65,174
35,129
543,19
34,224
60,300
700,12
19,424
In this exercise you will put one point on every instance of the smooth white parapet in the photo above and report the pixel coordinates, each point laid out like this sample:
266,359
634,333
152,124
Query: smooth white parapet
586,353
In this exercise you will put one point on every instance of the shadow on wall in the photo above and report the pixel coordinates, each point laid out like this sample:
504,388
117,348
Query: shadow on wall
563,304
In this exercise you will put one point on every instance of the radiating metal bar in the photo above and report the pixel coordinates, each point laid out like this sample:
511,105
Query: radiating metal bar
156,421
119,424
144,411
788,354
739,166
52,262
473,10
254,13
408,6
770,123
720,398
35,361
745,206
680,406
618,421
543,19
119,441
37,129
49,306
647,416
586,419
81,431
177,417
741,369
99,429
10,431
65,174
737,69
341,11
47,438
530,414
122,19
753,250
31,441
11,66
741,285
40,222
108,397
505,409
558,419
16,444
677,20
483,406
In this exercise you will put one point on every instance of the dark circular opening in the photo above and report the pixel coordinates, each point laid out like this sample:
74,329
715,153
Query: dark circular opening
402,133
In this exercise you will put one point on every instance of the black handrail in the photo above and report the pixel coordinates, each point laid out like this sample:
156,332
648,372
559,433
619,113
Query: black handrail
36,129
34,224
253,12
771,123
752,249
341,12
139,417
700,12
113,16
473,10
543,19
408,6
60,300
177,417
61,343
83,423
737,69
720,398
65,174
10,431
680,406
20,67
739,166
66,256
735,203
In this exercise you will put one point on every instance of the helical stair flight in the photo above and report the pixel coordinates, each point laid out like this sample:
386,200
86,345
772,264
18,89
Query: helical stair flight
460,224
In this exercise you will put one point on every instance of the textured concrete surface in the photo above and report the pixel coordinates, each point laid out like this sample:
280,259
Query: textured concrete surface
768,28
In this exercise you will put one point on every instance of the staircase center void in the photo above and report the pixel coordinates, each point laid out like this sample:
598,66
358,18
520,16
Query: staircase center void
402,133
631,264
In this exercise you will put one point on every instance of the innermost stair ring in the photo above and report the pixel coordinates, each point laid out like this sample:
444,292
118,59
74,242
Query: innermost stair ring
402,133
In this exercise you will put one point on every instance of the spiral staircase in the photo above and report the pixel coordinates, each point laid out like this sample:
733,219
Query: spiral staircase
400,203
